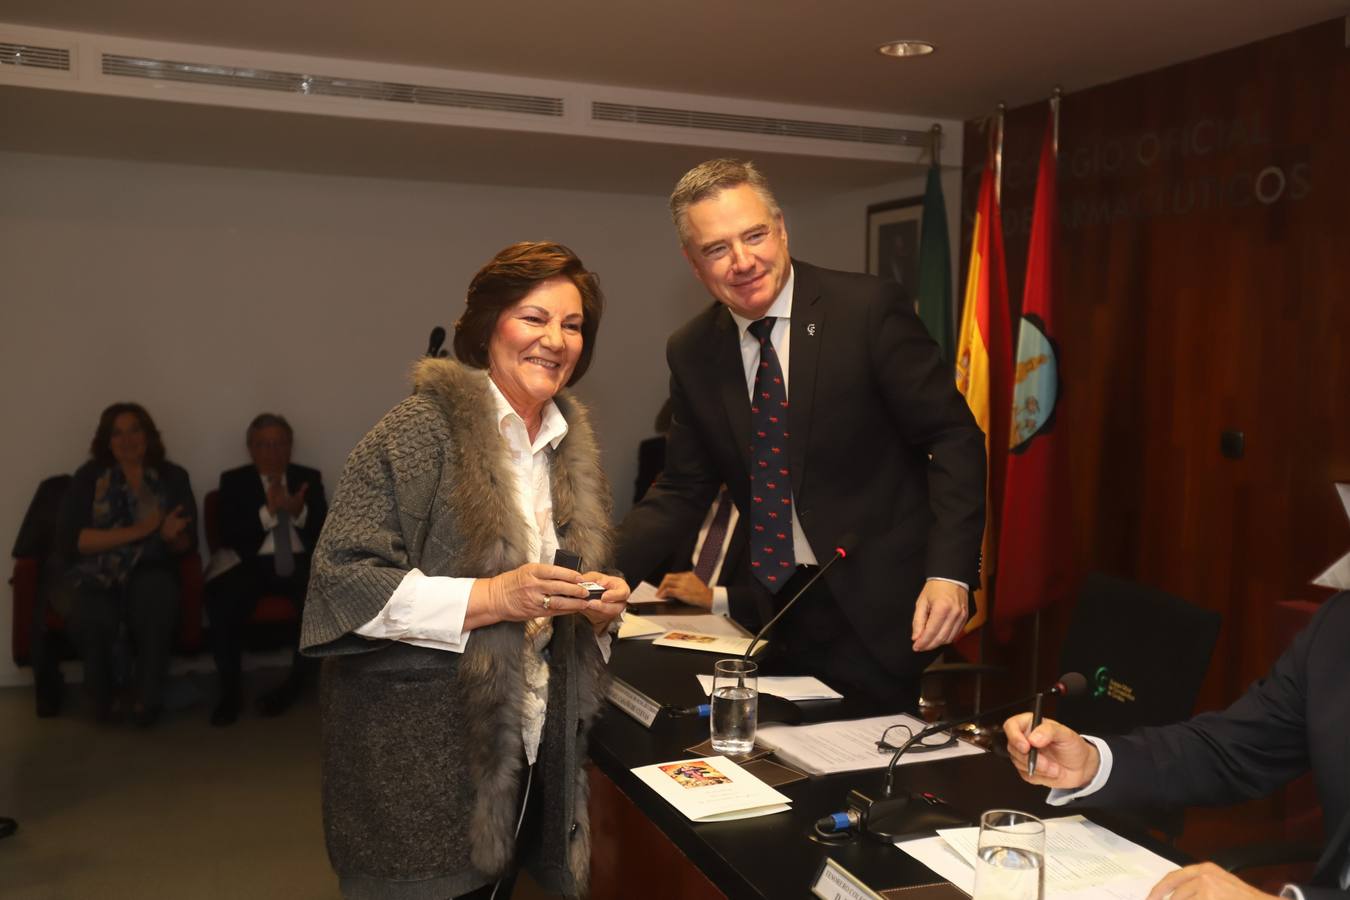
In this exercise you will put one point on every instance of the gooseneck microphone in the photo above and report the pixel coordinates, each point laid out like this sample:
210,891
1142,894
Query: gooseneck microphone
840,551
893,817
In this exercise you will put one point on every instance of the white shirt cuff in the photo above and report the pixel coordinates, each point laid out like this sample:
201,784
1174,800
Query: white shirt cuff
950,581
269,519
1292,892
426,611
721,604
1061,796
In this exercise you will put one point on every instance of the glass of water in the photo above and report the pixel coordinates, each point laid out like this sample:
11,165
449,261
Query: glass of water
1011,857
735,705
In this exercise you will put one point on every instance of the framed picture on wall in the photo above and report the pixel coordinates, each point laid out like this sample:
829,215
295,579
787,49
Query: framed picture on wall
893,230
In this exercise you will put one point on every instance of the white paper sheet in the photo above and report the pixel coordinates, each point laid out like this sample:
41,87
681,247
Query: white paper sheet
703,623
1337,575
638,627
645,592
789,687
849,746
1083,860
712,789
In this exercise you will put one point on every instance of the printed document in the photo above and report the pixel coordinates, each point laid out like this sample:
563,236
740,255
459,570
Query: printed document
851,746
789,687
1083,860
712,789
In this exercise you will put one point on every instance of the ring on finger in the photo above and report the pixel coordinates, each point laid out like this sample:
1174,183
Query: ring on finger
547,601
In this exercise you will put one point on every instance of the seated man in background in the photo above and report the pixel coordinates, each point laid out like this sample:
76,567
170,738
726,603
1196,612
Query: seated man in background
708,570
1296,718
270,514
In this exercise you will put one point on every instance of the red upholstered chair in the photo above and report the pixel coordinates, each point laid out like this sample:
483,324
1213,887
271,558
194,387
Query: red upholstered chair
25,584
36,540
272,609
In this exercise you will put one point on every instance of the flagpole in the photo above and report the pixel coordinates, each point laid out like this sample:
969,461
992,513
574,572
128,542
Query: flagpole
1055,96
990,599
998,157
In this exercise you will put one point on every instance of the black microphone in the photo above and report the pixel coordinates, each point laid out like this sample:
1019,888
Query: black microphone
437,341
893,817
840,551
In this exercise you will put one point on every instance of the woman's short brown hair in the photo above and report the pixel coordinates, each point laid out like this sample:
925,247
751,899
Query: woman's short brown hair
100,448
509,276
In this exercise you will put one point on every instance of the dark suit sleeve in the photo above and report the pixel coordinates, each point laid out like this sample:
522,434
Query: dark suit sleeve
77,510
240,529
920,392
1245,751
676,502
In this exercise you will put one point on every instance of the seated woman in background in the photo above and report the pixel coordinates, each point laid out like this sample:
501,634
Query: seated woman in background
124,523
463,667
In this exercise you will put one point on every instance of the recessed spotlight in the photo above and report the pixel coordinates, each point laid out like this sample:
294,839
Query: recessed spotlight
905,48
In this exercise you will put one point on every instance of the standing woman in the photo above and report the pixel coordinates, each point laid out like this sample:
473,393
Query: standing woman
124,524
463,666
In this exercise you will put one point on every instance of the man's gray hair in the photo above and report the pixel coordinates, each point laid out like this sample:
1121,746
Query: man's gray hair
268,420
711,178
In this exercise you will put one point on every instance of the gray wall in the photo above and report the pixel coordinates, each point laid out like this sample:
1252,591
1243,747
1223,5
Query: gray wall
209,294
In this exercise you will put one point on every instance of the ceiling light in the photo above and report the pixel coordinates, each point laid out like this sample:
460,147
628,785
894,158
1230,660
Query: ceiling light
905,48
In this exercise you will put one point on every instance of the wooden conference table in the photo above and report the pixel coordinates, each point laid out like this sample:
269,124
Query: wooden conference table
643,847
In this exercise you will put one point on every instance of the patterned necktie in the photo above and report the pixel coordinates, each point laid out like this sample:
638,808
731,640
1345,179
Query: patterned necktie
771,553
283,559
712,544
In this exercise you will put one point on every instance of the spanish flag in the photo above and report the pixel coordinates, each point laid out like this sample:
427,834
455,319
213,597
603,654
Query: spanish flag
984,365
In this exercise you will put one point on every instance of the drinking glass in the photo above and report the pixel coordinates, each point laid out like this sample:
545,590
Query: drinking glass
1011,857
735,705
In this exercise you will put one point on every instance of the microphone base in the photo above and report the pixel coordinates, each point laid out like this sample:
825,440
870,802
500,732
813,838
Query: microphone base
906,815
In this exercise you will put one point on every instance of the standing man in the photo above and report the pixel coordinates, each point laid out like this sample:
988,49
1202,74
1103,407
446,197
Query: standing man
270,514
819,399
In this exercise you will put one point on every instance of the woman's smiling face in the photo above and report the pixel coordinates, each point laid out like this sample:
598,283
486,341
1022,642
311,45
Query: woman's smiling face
536,345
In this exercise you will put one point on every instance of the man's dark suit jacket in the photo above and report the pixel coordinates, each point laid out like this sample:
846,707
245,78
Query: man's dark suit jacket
882,446
1297,717
242,495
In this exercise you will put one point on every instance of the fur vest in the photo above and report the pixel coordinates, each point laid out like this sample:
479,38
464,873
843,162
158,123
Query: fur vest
422,753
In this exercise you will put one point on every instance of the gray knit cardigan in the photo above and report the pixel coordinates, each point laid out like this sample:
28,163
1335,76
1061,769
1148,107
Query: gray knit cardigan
422,755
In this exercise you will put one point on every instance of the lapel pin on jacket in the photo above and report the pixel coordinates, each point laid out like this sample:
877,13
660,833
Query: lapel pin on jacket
811,329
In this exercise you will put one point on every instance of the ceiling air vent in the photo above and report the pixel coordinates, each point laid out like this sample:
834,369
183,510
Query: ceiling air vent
685,118
30,57
326,86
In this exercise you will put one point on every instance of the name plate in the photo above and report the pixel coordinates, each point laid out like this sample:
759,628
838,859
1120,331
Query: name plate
834,882
632,701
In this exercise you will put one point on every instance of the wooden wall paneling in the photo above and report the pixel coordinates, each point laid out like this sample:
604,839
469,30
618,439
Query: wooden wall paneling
1203,285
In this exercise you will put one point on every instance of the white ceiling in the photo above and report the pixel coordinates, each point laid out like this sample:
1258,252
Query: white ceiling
792,51
796,51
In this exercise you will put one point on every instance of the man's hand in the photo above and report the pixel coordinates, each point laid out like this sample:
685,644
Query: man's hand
295,503
1063,758
277,497
939,614
611,604
687,588
1203,882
